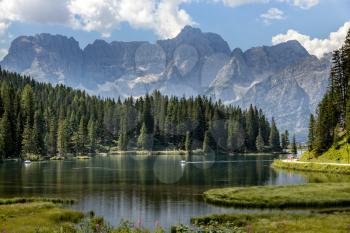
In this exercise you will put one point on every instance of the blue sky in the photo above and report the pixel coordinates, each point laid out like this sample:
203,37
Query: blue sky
242,23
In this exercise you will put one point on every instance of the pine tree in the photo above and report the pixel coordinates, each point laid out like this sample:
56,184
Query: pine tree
284,144
206,147
339,86
145,141
236,137
260,142
274,139
79,138
188,142
286,138
92,135
252,128
311,135
147,116
8,96
27,104
323,137
5,140
27,139
52,136
62,137
123,141
294,146
347,117
38,135
218,130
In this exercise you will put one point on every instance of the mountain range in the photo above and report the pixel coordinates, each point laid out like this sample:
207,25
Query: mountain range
284,80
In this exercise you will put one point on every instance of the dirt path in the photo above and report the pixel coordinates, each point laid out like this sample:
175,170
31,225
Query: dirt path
335,164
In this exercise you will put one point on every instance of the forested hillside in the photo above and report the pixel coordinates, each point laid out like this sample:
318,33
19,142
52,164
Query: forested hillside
332,123
39,119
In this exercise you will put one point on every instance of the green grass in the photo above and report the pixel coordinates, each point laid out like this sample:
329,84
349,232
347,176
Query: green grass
21,200
290,196
57,158
311,166
40,215
37,217
33,157
278,222
82,157
338,153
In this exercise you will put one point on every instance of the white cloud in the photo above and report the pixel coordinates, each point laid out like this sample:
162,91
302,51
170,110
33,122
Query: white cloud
3,53
3,28
316,46
165,17
235,3
272,14
41,11
303,4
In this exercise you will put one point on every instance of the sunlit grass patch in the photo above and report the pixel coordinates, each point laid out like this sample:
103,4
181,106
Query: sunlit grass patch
37,217
313,167
289,196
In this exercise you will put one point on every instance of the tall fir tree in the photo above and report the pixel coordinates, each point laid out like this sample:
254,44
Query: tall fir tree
188,142
311,135
145,141
274,139
92,135
5,138
27,140
294,146
38,135
62,137
260,145
206,147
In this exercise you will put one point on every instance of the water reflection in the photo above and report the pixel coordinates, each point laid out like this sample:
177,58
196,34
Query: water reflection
143,188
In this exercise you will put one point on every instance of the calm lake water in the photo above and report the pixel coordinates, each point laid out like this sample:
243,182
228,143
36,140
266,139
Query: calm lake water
147,190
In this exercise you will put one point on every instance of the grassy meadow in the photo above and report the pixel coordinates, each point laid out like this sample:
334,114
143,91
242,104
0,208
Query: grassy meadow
318,195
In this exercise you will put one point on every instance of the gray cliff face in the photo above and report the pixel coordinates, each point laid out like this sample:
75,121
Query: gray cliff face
283,99
55,59
284,80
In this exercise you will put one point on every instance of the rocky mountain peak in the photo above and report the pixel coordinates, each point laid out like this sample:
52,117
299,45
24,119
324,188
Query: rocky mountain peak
206,44
281,79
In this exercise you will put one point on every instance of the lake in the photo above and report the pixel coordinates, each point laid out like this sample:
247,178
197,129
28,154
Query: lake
146,190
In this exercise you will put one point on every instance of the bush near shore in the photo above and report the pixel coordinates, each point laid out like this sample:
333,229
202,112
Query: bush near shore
278,222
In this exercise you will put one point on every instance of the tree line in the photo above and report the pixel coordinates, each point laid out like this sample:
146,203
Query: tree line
38,118
332,121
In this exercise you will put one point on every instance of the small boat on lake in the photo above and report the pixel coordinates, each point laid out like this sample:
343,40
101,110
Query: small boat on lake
27,161
183,162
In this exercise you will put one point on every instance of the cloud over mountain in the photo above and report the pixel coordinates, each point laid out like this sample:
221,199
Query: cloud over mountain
165,17
316,46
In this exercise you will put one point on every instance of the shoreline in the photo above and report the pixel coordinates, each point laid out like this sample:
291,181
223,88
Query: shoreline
339,168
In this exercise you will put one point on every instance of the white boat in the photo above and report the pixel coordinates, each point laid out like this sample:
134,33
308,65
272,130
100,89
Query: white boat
183,162
27,161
